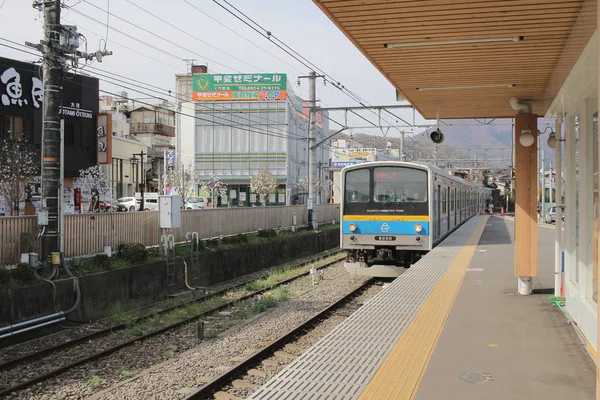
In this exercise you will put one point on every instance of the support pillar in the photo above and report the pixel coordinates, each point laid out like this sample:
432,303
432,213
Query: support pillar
526,224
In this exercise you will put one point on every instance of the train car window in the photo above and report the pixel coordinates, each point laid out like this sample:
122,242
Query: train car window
358,183
398,184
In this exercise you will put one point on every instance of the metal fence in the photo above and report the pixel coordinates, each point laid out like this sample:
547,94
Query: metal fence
87,234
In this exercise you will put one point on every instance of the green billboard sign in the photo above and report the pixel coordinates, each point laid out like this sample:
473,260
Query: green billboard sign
263,86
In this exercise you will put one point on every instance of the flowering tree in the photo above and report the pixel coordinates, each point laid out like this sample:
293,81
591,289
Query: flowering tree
263,184
219,188
94,180
182,177
19,170
303,183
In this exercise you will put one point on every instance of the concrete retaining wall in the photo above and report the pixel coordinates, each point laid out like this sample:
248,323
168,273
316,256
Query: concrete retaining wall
143,285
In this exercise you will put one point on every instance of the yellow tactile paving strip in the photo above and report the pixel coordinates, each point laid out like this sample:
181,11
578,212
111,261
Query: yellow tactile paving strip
399,376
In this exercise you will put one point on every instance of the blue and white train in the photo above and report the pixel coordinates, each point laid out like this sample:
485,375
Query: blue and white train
394,212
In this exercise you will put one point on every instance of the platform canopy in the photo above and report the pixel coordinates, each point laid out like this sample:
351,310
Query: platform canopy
468,57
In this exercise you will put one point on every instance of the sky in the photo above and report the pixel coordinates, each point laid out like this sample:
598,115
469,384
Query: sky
154,51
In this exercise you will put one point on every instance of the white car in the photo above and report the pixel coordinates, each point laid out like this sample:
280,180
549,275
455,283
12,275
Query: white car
195,203
127,204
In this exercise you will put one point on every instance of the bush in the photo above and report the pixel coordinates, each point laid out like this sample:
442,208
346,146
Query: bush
153,252
101,261
132,252
4,277
267,233
241,238
24,274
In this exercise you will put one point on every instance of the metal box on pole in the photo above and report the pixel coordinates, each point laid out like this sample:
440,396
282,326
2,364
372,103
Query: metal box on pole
169,211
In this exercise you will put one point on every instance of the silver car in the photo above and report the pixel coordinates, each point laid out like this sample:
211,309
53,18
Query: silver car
195,203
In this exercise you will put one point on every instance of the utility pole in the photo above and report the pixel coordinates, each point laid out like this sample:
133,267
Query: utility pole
402,155
312,148
50,182
312,154
60,44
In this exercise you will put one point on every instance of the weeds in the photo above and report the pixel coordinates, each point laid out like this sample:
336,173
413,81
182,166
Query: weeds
118,316
95,382
239,313
171,353
126,373
282,293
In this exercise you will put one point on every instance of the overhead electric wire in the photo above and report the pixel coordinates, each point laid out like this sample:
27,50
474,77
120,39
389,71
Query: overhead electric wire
294,54
246,128
190,35
129,48
242,36
128,35
154,34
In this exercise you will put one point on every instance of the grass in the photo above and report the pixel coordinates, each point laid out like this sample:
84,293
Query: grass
171,353
281,293
268,301
239,313
96,382
126,373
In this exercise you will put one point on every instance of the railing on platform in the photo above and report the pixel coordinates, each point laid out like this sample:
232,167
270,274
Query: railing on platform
87,234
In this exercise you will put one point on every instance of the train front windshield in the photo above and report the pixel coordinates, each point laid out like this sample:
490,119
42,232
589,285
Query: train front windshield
397,190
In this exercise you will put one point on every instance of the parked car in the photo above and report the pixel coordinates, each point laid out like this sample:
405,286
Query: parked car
127,204
551,216
150,204
195,203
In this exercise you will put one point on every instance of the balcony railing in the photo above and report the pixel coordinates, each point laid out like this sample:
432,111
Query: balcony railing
159,129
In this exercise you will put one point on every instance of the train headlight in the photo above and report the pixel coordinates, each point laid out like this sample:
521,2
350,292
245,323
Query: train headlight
418,228
352,227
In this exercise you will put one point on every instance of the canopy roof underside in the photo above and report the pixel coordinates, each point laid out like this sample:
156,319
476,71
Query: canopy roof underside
501,49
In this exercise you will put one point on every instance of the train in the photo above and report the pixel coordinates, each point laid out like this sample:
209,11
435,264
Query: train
394,212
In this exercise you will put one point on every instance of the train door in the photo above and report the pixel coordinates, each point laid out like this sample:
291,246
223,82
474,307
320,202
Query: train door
438,216
449,209
455,208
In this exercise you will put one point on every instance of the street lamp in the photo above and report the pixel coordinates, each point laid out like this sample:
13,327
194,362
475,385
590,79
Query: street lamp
133,160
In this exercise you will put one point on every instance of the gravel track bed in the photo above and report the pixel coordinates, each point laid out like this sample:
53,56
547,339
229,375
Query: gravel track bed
71,333
258,376
90,378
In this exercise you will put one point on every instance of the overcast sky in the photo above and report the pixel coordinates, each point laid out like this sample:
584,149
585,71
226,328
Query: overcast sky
235,46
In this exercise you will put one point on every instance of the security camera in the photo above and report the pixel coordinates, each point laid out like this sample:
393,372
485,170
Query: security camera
437,136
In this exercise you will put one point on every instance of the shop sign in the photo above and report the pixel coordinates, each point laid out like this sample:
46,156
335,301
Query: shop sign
104,139
223,87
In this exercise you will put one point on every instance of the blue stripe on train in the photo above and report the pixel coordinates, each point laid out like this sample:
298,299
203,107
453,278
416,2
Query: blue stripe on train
385,228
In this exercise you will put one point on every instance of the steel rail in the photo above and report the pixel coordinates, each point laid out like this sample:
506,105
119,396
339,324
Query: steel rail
106,352
213,386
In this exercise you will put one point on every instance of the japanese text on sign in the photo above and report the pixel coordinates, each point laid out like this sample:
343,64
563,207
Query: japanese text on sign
239,86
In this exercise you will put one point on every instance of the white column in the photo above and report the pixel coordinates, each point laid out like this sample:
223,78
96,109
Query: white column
558,201
570,215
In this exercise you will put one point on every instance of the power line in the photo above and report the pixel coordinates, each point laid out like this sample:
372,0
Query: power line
154,34
128,48
190,35
241,36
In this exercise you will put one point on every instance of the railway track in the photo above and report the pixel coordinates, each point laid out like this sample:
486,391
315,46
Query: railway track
89,338
215,387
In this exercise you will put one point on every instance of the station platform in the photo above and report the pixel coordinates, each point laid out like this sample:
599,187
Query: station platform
452,327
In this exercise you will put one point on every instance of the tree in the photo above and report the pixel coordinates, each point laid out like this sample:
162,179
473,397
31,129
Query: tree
94,180
19,170
182,177
219,188
263,184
